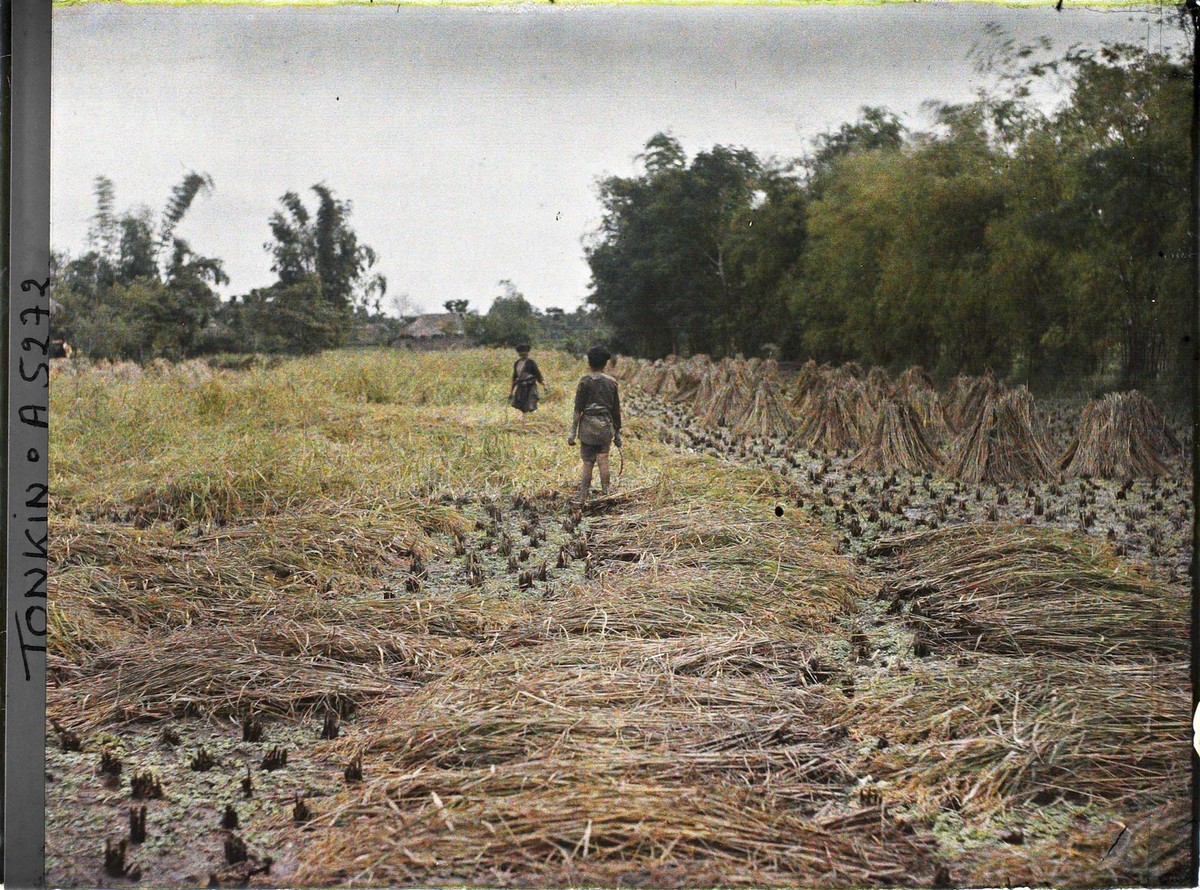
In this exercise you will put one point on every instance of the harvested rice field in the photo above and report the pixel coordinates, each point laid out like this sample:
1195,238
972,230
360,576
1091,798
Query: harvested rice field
336,621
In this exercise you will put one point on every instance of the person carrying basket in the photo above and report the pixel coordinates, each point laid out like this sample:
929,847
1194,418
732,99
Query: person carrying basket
596,421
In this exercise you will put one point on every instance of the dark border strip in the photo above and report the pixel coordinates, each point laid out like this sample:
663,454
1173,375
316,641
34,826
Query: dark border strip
5,197
28,342
1192,11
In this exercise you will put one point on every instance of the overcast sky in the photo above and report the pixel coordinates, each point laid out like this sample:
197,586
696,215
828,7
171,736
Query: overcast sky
470,139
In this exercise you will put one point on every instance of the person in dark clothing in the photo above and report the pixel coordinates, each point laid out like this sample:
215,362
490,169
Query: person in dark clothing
597,420
525,379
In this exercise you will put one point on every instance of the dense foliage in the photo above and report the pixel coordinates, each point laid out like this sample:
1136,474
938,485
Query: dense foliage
139,291
324,277
513,320
1043,245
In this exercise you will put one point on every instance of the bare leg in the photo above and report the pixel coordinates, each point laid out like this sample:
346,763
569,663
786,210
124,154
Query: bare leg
602,461
585,481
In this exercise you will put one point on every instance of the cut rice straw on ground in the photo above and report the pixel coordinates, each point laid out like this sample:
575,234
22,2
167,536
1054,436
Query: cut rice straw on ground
482,713
215,673
993,732
556,826
1022,590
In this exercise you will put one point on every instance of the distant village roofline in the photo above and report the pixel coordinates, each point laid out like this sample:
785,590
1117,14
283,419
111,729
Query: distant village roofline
434,325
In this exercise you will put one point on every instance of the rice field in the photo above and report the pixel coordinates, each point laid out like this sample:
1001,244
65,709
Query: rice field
335,621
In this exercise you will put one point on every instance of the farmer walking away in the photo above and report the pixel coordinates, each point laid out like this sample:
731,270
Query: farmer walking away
597,420
526,376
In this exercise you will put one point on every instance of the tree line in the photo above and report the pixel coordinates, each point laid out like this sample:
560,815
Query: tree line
140,292
512,320
1046,246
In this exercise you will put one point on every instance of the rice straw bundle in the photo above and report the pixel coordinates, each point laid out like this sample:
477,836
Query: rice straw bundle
850,370
688,377
705,390
623,367
864,404
730,400
643,375
967,398
1120,436
661,379
831,420
915,377
878,385
928,407
766,414
898,443
809,378
915,386
1002,444
716,379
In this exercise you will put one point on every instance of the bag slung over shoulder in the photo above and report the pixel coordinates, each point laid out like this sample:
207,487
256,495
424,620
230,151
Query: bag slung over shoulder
595,426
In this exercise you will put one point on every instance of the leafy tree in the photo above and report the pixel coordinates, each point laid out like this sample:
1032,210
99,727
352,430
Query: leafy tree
458,307
292,317
323,245
850,232
1045,245
510,321
764,248
877,129
1092,252
324,278
140,291
660,270
1125,205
